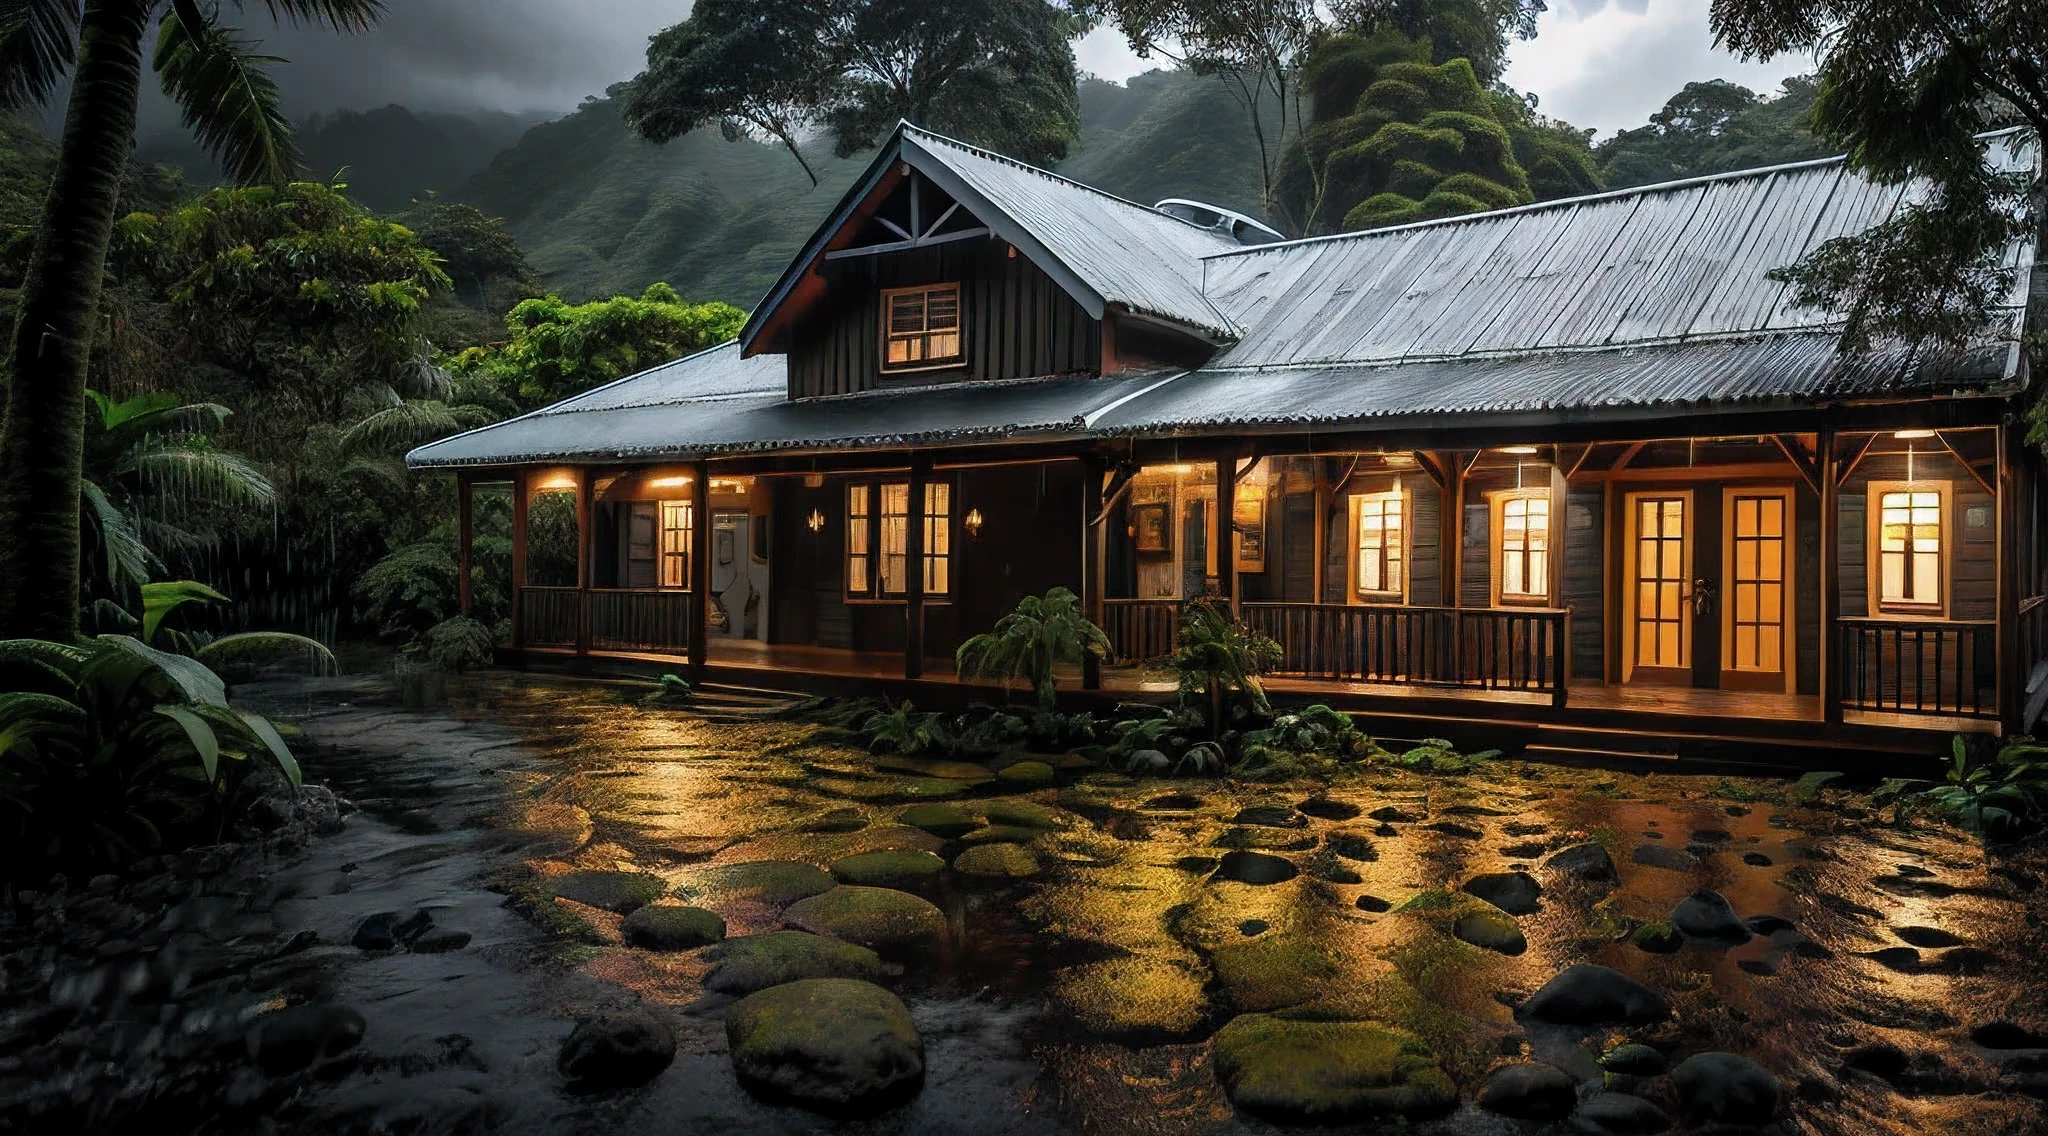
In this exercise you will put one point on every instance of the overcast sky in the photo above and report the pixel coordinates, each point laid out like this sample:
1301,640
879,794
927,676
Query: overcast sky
1599,63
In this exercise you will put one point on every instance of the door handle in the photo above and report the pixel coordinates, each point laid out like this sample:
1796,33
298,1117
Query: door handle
1702,596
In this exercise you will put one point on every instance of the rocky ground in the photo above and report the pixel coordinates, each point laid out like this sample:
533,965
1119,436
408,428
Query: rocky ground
557,911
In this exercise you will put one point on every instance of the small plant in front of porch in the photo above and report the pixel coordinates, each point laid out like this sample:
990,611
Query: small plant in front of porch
460,644
1219,661
1310,741
902,730
669,690
1439,755
2000,798
1027,643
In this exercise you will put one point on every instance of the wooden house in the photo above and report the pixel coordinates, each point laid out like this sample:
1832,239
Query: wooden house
1579,474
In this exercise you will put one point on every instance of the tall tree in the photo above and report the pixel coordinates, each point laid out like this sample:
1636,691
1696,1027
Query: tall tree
999,73
231,105
1475,30
1906,89
1715,126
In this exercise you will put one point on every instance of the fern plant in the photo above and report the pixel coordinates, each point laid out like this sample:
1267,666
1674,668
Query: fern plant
1027,643
1999,798
902,730
1220,660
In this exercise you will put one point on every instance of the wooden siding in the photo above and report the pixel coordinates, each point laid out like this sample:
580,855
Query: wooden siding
1973,579
1584,586
1017,322
1425,547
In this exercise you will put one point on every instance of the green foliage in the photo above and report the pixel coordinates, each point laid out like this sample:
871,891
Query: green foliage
112,750
2000,798
1714,127
555,349
1437,755
999,73
1475,30
669,690
1166,134
1219,661
460,644
484,264
411,590
1026,644
1293,744
901,730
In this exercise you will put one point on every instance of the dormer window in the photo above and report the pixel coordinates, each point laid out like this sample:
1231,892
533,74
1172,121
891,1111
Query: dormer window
921,328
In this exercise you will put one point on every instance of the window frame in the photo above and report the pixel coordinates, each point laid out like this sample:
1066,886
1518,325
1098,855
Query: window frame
953,362
1497,549
1879,607
1355,508
872,525
686,543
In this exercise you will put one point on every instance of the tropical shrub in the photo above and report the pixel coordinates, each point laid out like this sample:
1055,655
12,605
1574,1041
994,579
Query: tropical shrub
1436,755
461,643
112,750
901,730
1294,744
1219,662
1028,642
669,690
1999,798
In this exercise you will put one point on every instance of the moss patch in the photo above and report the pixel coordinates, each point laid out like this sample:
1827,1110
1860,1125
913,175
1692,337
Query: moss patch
1030,774
1001,834
889,922
1137,999
756,962
945,821
997,861
889,869
621,893
1272,971
833,1044
778,883
1022,814
1328,1072
670,927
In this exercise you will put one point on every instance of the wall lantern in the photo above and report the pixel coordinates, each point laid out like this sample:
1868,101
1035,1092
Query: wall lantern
972,522
1518,449
1910,435
668,483
816,521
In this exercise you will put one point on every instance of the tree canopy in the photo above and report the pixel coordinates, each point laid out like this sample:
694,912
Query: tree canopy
555,349
999,73
1713,127
1474,30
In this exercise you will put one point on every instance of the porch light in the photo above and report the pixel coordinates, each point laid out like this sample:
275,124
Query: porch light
1522,450
816,521
972,522
1177,468
727,483
1911,435
561,482
668,483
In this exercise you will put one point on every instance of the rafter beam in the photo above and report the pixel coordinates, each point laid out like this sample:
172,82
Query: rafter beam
1966,463
1849,467
1796,454
905,245
1628,455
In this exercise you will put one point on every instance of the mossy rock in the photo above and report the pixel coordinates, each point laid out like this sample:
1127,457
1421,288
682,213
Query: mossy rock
621,893
834,1045
1029,774
1328,1072
756,962
945,821
1135,999
936,788
1272,971
947,770
889,869
1022,814
996,862
1272,839
889,922
778,883
670,927
1001,834
848,819
1659,938
1490,930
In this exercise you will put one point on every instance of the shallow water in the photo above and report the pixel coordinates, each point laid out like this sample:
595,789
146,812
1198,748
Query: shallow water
1081,1000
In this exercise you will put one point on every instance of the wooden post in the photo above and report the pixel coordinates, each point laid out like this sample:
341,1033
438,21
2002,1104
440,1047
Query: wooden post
913,580
2011,676
700,570
1093,525
1225,528
465,524
1830,575
586,542
1451,529
519,507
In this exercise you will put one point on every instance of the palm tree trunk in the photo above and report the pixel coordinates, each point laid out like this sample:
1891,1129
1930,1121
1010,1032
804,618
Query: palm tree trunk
42,438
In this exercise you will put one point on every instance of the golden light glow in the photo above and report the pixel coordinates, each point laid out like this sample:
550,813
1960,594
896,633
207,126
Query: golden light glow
1911,435
972,522
558,482
1176,467
668,482
728,484
1518,449
816,520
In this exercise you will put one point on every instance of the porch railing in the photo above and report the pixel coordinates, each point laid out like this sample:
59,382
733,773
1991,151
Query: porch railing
605,618
548,617
1937,667
1493,648
1140,631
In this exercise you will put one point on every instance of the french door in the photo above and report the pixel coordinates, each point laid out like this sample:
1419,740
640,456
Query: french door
1659,599
1756,578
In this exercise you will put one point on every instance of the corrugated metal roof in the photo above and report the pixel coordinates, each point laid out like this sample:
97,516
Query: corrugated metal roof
727,420
1772,371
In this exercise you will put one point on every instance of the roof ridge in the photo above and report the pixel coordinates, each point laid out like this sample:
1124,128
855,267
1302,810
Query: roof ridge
909,127
1564,202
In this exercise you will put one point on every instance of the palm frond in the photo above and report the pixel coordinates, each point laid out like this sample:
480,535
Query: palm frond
128,558
158,412
341,15
258,647
410,424
225,97
163,597
184,477
38,40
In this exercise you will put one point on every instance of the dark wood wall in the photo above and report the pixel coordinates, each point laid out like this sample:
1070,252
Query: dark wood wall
1425,544
1017,323
1972,531
1583,588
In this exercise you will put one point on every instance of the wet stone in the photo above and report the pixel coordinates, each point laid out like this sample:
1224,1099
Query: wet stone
1768,925
1529,1091
1271,816
2006,1035
1372,903
1590,994
1254,868
1323,808
291,1039
1528,851
946,821
1658,856
910,871
621,893
1493,931
615,1051
778,883
1711,836
847,819
756,962
834,1045
889,922
388,930
1931,937
1001,834
1756,859
1391,815
1030,774
1584,861
1707,915
1524,828
1022,814
1175,803
1634,1059
1454,830
1904,960
1659,938
1351,846
1621,1114
669,927
1328,1072
440,941
1513,892
1725,1088
1762,968
996,862
1385,830
1253,927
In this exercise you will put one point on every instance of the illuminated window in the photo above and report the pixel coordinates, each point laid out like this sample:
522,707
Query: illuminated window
1380,546
1909,545
676,542
1523,525
878,539
921,328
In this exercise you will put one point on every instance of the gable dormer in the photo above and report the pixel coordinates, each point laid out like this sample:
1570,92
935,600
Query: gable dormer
949,264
